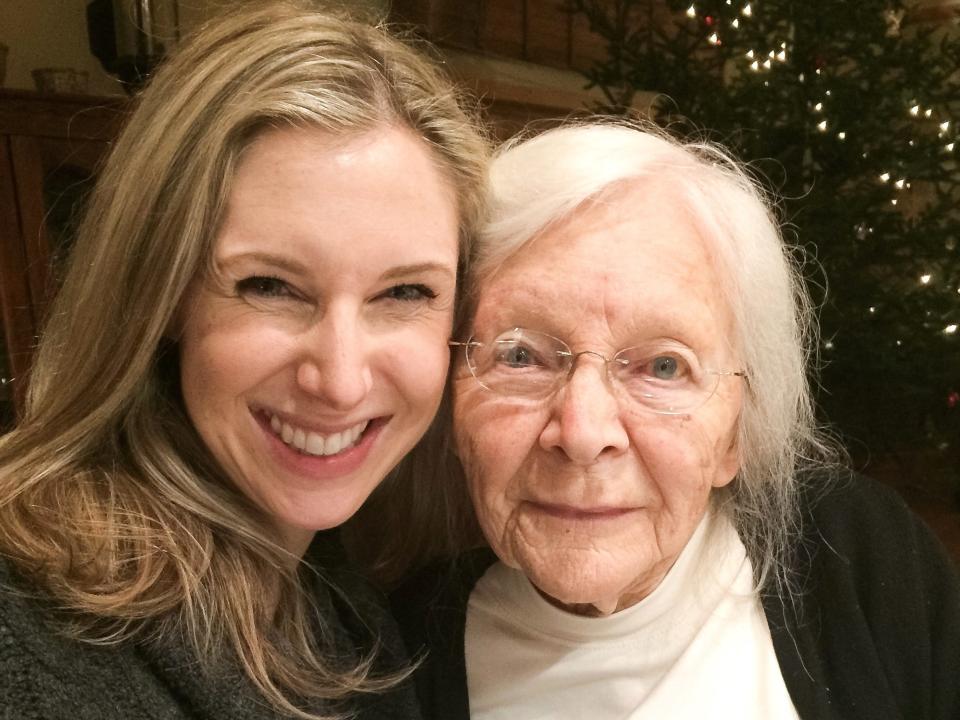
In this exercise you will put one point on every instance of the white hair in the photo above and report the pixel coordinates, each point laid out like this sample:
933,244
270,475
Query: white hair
537,182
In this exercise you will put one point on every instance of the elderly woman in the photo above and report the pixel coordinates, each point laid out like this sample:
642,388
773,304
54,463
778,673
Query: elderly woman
632,412
251,334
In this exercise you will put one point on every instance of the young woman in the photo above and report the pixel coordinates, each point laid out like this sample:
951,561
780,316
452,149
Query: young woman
251,334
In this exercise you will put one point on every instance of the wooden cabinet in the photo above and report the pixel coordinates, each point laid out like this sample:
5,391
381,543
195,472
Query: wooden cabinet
50,148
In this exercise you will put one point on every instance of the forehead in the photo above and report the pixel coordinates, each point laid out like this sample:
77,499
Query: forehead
632,262
299,189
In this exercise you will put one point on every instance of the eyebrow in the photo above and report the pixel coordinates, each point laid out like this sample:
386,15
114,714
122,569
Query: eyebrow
402,271
284,263
278,261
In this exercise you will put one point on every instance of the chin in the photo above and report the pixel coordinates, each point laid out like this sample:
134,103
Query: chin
580,586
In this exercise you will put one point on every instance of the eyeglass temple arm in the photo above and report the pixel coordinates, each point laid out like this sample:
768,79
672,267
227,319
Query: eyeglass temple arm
735,373
469,343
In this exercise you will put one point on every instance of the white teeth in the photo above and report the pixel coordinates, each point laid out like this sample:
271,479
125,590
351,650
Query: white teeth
334,443
313,443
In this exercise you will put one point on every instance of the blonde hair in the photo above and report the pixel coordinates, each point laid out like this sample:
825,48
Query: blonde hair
109,501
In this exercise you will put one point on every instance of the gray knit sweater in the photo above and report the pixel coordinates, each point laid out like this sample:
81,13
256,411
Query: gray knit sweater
46,676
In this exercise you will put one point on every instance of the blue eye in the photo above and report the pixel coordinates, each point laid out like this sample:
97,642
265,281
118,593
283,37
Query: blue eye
664,367
410,292
263,286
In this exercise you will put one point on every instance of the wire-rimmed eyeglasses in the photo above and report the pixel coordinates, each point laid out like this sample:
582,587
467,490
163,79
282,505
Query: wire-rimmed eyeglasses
663,376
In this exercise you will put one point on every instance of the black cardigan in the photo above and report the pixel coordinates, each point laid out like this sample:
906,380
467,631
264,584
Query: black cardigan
47,676
877,635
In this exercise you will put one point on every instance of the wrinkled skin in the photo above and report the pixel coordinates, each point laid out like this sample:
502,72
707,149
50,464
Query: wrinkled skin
591,497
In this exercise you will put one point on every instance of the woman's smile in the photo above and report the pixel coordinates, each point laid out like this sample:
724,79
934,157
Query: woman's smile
353,446
315,442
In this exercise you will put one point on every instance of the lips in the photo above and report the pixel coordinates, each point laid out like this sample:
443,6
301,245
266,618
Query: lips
572,512
310,442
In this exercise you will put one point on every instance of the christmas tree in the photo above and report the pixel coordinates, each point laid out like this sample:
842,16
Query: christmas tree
848,111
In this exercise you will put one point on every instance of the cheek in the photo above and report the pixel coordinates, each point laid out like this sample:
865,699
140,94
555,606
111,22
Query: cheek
495,444
684,458
217,360
413,366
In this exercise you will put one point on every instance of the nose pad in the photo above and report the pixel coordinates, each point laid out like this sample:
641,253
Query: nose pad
585,420
335,366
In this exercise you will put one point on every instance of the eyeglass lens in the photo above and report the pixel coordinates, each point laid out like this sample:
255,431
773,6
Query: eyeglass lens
664,376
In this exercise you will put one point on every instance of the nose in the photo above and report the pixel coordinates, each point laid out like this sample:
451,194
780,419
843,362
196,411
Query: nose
335,361
585,421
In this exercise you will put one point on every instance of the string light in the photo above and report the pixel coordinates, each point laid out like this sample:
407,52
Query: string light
781,55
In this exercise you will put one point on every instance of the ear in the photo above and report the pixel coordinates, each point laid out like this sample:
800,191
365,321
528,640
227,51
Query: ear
729,464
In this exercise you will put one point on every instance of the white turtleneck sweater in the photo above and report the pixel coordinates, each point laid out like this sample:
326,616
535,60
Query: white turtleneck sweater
697,647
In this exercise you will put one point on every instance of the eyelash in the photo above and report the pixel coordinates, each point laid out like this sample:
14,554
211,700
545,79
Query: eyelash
423,292
263,286
267,286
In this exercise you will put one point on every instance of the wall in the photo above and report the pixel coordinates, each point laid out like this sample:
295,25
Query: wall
53,33
49,33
